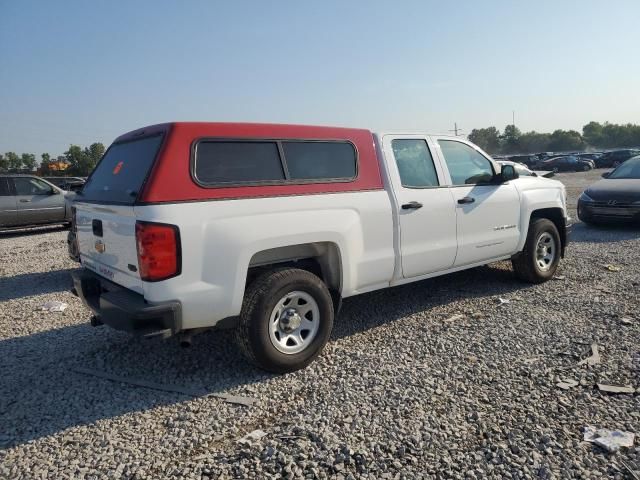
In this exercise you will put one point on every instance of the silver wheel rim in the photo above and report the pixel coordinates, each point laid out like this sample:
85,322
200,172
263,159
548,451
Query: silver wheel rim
545,251
294,322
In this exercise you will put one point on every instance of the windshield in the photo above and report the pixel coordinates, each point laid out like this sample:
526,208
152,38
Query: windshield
122,171
629,169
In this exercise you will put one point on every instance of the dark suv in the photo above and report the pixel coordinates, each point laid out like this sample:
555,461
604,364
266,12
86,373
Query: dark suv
615,157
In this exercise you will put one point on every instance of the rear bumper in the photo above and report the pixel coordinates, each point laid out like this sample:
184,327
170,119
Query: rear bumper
123,309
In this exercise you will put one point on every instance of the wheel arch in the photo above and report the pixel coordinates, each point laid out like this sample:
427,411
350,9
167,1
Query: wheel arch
556,215
323,259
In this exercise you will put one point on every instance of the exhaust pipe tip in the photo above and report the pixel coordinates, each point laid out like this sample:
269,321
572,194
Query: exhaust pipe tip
185,343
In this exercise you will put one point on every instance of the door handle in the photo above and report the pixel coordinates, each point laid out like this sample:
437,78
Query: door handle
24,200
465,200
412,206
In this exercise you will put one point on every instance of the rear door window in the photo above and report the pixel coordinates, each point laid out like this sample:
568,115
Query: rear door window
121,173
415,164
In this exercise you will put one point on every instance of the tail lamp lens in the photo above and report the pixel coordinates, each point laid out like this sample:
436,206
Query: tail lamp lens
158,251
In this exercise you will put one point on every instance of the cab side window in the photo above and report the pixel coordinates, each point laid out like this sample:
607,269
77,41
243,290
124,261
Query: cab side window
466,165
31,186
415,163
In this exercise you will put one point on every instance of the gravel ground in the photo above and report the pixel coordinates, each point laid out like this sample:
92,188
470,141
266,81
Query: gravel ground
400,391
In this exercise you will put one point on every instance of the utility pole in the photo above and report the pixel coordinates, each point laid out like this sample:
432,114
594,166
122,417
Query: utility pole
513,118
456,129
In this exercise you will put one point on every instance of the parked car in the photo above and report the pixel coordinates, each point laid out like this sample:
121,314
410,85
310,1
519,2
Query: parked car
545,155
27,200
530,161
590,156
569,163
615,157
71,184
525,172
614,198
266,228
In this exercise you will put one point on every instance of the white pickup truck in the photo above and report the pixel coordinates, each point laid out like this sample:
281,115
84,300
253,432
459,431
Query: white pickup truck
266,228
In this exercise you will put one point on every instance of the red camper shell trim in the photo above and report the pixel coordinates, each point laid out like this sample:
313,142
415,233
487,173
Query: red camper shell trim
171,178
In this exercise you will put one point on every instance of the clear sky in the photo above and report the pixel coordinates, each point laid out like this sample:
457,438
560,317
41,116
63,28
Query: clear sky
85,71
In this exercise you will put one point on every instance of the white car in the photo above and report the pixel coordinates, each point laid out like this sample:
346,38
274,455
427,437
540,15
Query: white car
524,171
266,228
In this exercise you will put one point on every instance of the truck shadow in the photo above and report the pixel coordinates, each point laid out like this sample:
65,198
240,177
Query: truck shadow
44,394
38,283
403,301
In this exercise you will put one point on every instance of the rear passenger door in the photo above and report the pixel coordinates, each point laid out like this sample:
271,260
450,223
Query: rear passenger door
488,213
426,210
8,212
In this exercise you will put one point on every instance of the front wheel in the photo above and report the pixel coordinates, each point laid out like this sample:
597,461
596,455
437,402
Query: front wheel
586,168
286,320
539,259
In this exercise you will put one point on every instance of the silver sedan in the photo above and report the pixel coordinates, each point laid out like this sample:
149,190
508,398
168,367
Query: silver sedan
27,200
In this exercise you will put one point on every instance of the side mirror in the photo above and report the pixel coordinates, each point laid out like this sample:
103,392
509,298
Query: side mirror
54,192
507,173
606,174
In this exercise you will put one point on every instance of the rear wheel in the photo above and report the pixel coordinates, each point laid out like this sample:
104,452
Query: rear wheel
286,320
539,259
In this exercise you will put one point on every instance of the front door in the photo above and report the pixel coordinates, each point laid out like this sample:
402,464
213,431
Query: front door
488,213
37,201
425,207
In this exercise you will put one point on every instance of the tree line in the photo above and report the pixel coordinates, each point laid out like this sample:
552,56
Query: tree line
80,161
594,135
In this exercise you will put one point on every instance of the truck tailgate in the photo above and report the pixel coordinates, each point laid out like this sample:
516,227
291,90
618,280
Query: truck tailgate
107,242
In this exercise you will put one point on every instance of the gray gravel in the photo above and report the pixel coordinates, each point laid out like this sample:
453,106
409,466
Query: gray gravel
400,392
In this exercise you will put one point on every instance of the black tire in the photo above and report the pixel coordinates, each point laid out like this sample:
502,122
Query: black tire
525,265
261,297
586,168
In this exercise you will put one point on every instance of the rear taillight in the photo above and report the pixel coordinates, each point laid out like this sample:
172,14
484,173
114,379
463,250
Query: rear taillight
158,251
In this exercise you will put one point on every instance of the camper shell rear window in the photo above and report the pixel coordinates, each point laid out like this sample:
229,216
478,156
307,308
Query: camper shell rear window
230,162
121,173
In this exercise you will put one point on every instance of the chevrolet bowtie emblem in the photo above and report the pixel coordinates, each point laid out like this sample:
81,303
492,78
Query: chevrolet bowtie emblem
100,247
